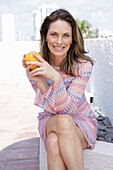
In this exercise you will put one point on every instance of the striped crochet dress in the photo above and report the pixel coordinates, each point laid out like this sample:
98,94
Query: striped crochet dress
67,98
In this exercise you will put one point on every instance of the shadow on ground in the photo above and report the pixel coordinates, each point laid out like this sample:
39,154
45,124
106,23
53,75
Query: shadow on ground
22,155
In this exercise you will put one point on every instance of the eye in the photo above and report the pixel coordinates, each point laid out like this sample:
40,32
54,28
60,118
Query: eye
53,34
66,35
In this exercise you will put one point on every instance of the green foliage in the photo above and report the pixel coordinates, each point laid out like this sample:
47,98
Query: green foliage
85,27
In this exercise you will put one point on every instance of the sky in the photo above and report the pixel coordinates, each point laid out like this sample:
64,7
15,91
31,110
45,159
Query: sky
99,13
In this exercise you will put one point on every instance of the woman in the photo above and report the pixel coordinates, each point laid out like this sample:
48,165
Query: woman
67,124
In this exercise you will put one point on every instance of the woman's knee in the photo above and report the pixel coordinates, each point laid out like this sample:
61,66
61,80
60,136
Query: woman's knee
65,123
52,144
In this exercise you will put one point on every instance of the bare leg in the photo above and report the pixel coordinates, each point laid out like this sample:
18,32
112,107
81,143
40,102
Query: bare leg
71,140
70,144
53,154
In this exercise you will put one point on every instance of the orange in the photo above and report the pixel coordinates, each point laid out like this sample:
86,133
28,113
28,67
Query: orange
31,57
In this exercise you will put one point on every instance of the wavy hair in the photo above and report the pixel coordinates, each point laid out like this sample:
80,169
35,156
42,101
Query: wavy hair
76,53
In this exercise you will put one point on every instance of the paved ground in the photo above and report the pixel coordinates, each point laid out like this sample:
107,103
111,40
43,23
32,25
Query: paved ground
19,138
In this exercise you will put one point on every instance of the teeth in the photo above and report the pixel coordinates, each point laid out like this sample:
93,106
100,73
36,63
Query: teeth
59,48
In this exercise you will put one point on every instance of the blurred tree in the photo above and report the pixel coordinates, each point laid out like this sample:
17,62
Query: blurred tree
85,27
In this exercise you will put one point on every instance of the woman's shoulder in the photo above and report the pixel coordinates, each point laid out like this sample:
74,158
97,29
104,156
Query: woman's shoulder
85,67
85,63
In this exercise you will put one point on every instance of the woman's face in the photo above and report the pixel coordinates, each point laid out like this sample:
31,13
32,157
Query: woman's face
59,38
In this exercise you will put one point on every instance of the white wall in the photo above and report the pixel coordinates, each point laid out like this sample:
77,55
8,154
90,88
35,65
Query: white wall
101,82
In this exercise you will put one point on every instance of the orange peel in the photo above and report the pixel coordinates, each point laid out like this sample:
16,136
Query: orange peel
31,57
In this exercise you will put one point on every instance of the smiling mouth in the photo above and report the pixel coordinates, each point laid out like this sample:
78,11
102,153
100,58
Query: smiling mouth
58,48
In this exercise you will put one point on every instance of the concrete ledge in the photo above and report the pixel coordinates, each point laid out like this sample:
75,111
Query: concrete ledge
100,158
43,156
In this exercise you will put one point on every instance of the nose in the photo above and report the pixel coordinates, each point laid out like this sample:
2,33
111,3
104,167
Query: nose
59,41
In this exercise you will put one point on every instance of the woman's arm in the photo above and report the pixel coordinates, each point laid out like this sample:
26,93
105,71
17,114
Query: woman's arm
36,81
65,101
44,70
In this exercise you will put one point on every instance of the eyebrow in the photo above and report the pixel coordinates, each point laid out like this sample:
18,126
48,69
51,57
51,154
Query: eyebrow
57,33
67,33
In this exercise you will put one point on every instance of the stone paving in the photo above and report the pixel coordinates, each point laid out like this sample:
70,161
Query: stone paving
19,138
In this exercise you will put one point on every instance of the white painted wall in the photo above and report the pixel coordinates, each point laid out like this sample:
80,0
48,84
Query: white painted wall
101,82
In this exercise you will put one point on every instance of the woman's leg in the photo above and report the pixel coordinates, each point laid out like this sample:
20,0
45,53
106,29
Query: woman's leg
53,154
71,140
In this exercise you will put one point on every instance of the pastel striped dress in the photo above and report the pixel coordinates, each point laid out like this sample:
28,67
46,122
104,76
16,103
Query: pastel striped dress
67,98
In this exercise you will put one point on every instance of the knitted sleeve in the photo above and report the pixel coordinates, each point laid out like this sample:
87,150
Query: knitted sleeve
33,84
64,100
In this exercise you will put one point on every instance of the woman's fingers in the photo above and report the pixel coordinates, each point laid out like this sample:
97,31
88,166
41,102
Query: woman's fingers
23,61
24,55
39,73
28,69
34,63
36,70
39,58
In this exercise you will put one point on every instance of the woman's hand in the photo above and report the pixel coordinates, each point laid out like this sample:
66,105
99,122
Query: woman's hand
41,81
23,61
44,69
28,70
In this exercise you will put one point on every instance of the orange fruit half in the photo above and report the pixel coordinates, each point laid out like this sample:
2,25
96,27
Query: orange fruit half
31,57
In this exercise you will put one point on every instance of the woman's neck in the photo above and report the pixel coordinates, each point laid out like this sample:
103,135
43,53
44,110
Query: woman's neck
56,61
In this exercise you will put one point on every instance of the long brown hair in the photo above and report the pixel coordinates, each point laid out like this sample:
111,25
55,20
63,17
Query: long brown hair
76,52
